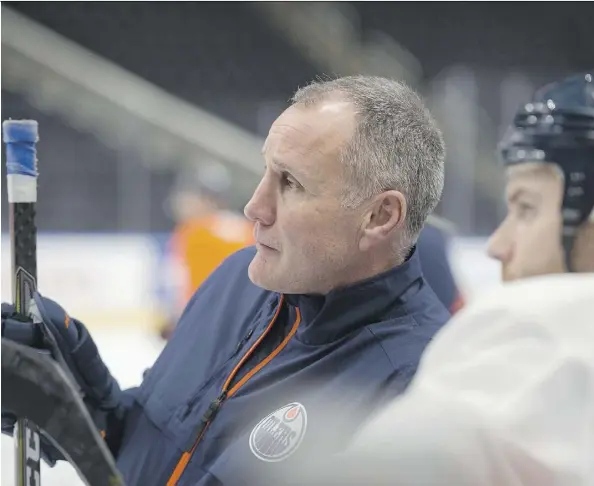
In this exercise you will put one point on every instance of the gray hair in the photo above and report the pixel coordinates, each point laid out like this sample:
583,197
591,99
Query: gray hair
396,145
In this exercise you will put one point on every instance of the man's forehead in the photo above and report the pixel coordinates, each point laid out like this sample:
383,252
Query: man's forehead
321,127
532,177
532,170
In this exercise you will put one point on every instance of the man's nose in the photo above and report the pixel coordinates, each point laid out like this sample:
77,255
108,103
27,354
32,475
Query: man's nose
262,206
499,244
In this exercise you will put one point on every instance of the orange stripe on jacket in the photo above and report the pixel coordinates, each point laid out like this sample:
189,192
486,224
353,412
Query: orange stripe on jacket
186,456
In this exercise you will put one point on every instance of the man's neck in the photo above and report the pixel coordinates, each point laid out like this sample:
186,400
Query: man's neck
374,264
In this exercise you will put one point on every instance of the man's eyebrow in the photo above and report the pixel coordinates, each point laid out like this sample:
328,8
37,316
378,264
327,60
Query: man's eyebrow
516,194
279,165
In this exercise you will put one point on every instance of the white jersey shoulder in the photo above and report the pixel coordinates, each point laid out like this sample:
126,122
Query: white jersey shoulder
509,382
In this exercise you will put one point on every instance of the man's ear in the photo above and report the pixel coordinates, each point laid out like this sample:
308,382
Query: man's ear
386,215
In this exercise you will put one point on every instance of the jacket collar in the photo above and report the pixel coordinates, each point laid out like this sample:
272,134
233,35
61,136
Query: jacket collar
326,318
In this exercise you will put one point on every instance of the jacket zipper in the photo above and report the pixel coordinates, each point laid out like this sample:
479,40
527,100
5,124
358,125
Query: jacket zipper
208,417
192,402
226,393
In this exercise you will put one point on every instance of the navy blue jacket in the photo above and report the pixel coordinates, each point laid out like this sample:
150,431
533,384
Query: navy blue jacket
214,407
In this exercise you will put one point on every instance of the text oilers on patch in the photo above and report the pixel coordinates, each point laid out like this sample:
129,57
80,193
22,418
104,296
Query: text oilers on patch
279,434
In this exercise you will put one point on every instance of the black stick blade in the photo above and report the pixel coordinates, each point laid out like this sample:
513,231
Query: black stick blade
35,387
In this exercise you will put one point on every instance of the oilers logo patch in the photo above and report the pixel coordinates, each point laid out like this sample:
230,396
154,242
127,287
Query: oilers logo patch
279,434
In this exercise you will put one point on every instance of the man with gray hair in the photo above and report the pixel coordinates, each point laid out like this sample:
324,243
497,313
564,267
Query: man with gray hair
504,394
330,305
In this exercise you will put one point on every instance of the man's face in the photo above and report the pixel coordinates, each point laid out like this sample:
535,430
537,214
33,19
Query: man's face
306,241
528,241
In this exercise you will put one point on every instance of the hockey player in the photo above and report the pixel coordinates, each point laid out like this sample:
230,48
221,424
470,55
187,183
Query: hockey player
205,234
504,394
549,159
331,301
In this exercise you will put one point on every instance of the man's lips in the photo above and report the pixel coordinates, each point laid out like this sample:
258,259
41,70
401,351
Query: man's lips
265,246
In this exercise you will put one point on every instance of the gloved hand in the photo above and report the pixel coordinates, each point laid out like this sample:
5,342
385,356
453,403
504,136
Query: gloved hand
68,341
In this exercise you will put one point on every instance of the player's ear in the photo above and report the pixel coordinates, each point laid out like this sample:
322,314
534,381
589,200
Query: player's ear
385,216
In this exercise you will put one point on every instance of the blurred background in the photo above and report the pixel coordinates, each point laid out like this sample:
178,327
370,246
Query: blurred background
152,112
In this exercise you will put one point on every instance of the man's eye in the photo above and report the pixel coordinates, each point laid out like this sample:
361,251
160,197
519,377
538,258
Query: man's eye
526,210
289,182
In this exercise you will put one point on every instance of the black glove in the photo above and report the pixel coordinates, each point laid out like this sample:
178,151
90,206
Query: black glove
67,340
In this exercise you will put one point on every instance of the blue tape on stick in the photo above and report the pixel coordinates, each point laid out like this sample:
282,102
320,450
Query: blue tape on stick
20,137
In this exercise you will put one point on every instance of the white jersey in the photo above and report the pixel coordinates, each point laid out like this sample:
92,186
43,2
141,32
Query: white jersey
504,396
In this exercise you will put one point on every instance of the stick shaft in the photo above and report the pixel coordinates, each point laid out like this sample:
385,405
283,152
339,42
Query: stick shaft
20,137
24,275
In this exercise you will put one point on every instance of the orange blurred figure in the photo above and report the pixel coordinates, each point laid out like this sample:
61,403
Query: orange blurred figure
205,233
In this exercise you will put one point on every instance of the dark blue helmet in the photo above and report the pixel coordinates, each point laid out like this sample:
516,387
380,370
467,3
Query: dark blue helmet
557,127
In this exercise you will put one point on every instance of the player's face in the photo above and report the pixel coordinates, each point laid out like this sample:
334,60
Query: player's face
528,241
306,240
190,206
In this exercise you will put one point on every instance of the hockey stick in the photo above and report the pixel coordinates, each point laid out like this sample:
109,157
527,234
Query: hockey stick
21,137
35,386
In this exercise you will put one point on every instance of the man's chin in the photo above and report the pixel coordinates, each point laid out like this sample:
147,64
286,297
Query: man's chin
507,276
269,276
260,275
